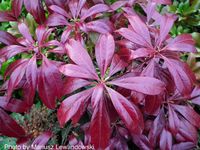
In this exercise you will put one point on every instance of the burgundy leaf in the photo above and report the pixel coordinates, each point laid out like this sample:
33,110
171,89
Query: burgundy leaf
9,126
182,79
6,16
126,111
17,7
59,11
24,30
49,83
146,85
80,56
104,51
100,123
166,2
173,120
73,105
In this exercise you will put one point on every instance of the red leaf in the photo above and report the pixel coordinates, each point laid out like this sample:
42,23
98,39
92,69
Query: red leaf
9,127
104,51
73,105
100,124
146,85
49,83
126,111
17,7
80,56
181,75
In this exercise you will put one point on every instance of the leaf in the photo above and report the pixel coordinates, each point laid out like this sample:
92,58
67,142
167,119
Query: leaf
100,130
98,8
140,28
59,11
49,83
7,38
189,114
166,24
104,51
79,55
180,73
56,20
76,71
173,120
146,85
24,30
35,8
165,140
9,126
6,16
17,7
73,106
126,111
42,140
182,43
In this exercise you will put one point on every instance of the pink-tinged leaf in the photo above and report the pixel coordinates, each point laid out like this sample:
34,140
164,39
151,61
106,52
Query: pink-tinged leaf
12,50
141,141
189,114
187,132
7,38
132,36
173,120
17,7
7,16
140,28
40,31
13,105
13,66
104,52
76,71
80,5
102,26
156,128
42,140
165,2
9,126
72,84
196,95
182,77
98,8
182,43
184,145
80,56
31,73
35,8
24,30
166,24
165,140
65,35
150,10
73,106
49,83
126,111
16,78
142,52
100,130
117,64
97,95
146,85
118,4
73,4
56,20
152,104
59,11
